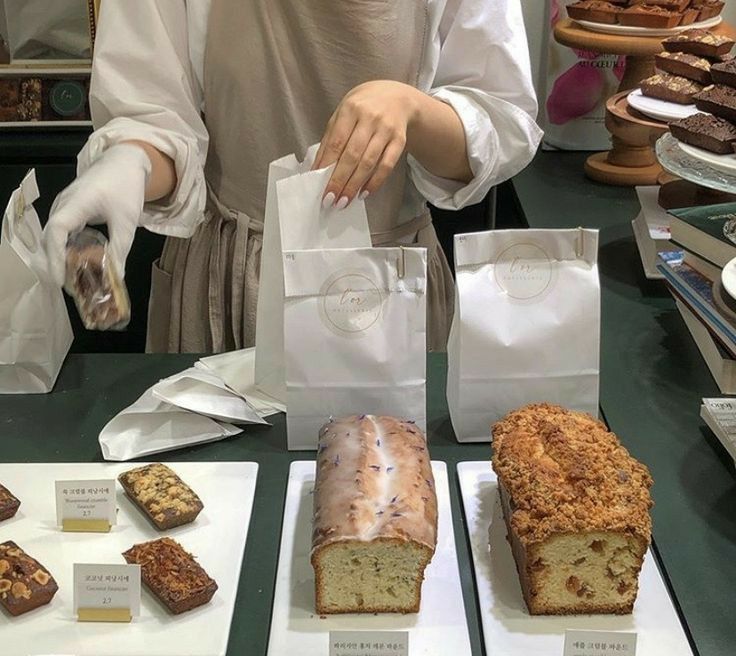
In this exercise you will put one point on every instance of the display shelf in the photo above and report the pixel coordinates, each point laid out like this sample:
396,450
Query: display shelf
676,161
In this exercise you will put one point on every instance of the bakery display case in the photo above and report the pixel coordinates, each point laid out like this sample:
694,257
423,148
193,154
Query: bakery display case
46,62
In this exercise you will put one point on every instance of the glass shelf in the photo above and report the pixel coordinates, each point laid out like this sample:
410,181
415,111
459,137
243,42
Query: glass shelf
674,160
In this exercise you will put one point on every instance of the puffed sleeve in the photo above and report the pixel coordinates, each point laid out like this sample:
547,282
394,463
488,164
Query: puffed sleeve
143,88
483,72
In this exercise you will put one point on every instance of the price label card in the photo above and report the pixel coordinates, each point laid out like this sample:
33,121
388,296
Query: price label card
101,592
724,413
369,643
599,643
85,502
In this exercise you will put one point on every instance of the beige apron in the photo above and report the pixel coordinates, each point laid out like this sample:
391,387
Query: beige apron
275,70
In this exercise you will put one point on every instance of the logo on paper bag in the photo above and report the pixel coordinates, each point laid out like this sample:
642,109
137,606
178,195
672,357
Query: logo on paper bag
351,303
524,271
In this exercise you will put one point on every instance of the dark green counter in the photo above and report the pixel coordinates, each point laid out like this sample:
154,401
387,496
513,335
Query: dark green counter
652,382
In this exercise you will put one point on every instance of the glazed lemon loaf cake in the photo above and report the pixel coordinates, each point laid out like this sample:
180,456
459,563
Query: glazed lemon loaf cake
576,506
375,516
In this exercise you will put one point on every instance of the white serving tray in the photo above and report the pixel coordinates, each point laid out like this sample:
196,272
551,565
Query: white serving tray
296,629
508,629
632,30
725,163
216,538
660,110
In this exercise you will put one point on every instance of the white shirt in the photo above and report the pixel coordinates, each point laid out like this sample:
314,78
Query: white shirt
147,84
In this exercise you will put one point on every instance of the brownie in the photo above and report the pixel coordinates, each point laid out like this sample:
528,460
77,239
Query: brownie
24,583
724,73
165,499
719,100
649,16
671,88
708,9
705,131
699,42
692,67
172,575
690,16
8,504
596,11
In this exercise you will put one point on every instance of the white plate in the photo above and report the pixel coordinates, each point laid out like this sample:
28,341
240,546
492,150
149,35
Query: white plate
726,163
296,629
728,278
625,30
659,109
216,538
508,628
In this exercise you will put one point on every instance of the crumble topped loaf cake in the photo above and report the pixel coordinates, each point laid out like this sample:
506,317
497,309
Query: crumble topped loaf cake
172,574
24,583
8,504
576,506
375,516
161,495
691,67
671,88
706,131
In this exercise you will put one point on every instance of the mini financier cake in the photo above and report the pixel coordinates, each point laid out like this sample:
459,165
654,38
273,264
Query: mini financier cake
161,495
8,504
576,506
375,516
24,583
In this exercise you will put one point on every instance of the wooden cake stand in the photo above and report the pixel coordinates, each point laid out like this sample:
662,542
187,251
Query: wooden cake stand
632,160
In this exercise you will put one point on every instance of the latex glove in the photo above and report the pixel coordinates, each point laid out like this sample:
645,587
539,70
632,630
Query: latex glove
366,136
111,191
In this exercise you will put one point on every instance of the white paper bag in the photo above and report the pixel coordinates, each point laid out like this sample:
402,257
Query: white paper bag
200,391
526,326
295,220
35,333
355,336
151,426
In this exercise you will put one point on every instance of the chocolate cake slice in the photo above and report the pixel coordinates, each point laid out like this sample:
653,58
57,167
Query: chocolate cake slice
670,88
24,583
717,99
692,67
699,42
8,504
724,73
706,131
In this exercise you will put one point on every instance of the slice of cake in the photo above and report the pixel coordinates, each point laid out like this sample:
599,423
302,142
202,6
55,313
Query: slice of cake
724,73
375,516
688,66
25,584
699,42
652,16
595,11
576,506
719,100
670,88
706,131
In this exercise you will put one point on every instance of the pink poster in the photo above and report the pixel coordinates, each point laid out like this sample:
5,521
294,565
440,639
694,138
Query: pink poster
575,87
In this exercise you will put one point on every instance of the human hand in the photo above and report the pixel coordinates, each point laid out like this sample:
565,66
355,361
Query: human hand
111,191
366,137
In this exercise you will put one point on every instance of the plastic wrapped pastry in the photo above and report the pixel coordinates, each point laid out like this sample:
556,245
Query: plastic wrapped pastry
99,293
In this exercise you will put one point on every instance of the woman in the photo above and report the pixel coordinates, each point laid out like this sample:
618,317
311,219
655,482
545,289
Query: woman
414,101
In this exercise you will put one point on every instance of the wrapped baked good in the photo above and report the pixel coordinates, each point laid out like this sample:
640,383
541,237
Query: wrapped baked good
91,280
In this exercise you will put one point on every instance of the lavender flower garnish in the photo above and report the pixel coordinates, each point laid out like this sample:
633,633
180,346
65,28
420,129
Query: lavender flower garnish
375,467
395,514
361,418
379,512
378,442
393,501
429,483
389,470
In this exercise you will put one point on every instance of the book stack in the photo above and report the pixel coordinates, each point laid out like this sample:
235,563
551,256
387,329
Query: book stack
651,231
693,276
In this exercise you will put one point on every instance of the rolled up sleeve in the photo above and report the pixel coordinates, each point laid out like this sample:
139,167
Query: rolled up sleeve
484,73
143,88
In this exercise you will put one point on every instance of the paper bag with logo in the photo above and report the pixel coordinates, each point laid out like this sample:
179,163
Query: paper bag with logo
35,333
355,336
526,326
295,219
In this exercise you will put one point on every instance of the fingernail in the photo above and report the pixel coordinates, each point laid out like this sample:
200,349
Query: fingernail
328,200
342,203
364,195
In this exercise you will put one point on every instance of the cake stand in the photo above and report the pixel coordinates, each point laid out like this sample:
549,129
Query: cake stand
632,160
